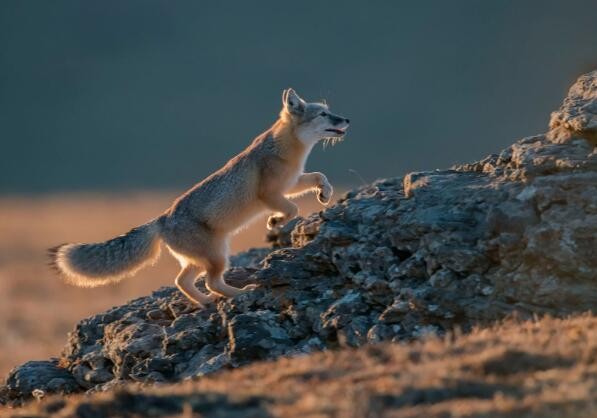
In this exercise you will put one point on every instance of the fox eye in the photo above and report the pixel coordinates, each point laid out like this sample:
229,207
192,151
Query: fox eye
324,114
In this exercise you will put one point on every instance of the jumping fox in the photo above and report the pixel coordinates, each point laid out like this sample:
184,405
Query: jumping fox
197,227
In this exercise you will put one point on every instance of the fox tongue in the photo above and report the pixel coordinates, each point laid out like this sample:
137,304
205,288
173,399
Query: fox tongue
338,131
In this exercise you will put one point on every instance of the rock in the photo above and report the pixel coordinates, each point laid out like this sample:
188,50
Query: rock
37,378
256,335
513,369
139,340
578,113
208,360
395,260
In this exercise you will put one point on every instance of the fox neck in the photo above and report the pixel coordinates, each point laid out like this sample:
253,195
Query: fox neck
291,146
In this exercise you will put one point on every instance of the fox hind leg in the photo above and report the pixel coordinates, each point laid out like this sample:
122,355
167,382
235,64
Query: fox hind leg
214,280
210,251
185,281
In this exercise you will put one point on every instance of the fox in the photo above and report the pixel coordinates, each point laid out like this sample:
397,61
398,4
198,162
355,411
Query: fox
197,227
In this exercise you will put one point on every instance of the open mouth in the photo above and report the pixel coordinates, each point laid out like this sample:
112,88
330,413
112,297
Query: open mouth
337,131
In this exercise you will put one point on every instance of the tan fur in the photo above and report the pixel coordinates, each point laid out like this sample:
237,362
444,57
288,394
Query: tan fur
197,227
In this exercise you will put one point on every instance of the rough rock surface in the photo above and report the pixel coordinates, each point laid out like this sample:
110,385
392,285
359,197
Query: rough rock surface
530,369
394,260
578,113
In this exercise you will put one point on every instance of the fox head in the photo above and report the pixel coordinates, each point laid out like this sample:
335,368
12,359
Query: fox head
311,122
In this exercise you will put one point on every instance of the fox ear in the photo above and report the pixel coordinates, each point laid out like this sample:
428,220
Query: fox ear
292,102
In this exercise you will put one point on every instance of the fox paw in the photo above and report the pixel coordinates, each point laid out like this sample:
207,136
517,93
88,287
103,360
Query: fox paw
324,193
275,221
213,297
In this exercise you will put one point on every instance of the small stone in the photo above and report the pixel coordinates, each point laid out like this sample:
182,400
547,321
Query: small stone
487,290
442,278
38,394
394,313
157,314
379,333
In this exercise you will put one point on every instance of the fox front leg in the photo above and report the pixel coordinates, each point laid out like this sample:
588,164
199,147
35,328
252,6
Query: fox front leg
324,191
314,181
286,210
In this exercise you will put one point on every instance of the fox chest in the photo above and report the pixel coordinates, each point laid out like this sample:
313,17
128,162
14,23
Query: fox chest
292,174
284,173
283,180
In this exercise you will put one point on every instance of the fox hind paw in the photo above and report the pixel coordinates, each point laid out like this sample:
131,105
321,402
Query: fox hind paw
274,221
212,297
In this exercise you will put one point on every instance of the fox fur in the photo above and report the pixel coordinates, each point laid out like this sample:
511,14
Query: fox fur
197,227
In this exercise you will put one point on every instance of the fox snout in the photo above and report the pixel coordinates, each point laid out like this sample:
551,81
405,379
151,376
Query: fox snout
339,123
337,120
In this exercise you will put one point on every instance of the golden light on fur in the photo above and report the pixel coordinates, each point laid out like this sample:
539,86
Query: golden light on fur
197,227
60,262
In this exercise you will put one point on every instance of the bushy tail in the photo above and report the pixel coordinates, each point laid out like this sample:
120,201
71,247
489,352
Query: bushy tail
91,265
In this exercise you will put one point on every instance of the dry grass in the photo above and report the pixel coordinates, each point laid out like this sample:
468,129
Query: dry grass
546,369
36,308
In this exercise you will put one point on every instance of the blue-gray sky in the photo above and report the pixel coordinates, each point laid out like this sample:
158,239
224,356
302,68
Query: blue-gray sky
120,94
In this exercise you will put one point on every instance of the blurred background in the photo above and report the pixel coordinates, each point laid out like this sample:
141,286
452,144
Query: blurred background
109,109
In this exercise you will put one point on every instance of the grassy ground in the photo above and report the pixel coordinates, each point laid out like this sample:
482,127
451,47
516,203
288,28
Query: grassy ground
36,308
546,368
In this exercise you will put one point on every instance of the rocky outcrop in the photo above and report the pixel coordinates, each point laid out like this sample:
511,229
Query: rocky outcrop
578,114
530,369
392,261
